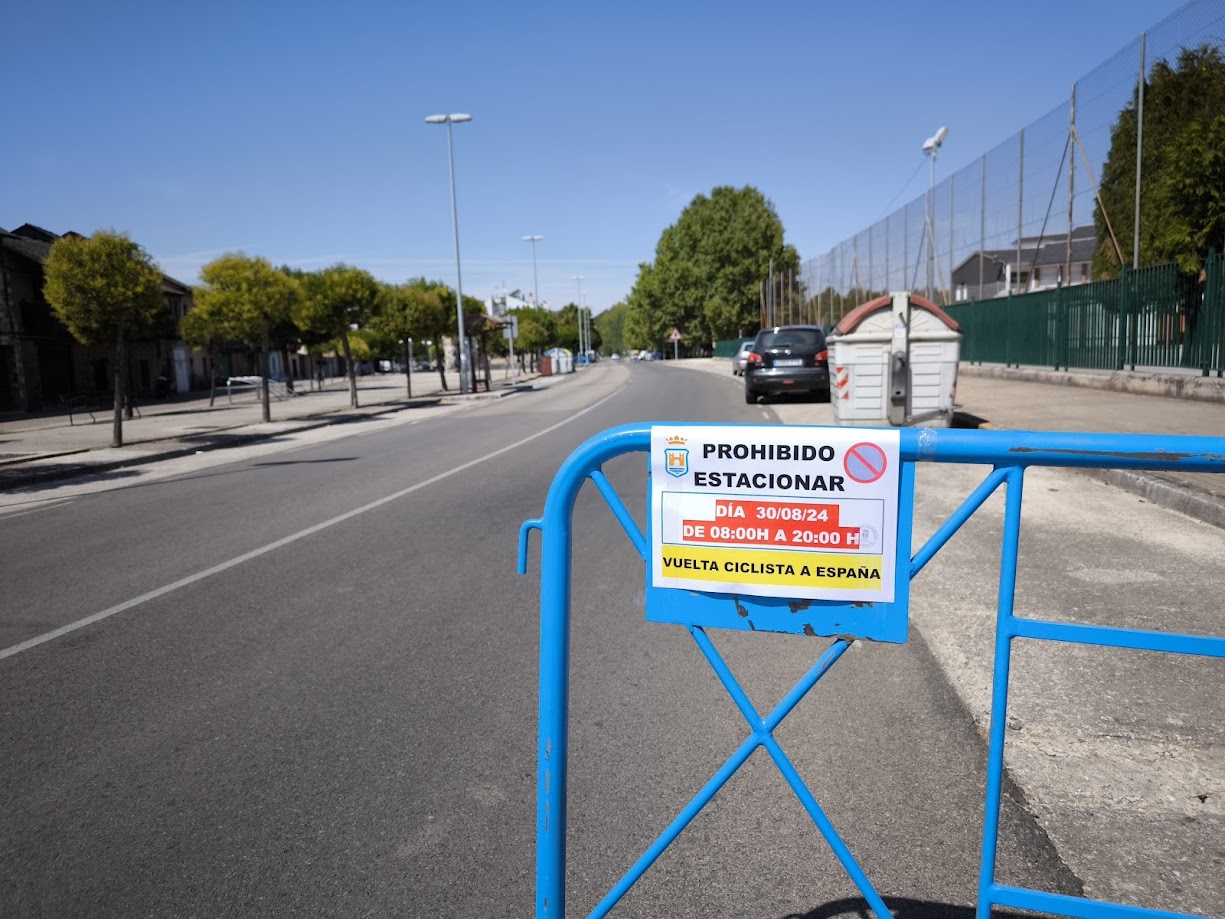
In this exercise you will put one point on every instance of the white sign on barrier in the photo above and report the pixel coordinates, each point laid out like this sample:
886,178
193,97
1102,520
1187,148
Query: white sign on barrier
794,512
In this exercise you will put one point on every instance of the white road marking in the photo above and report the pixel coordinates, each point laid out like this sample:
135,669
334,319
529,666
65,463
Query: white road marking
281,543
45,507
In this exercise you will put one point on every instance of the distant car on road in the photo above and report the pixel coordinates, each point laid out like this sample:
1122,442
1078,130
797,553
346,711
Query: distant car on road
790,358
616,356
741,357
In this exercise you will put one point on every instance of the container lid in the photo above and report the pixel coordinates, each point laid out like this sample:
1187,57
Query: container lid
851,320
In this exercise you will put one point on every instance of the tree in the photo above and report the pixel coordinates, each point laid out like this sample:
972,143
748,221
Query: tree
431,313
538,331
104,289
610,325
533,339
336,301
243,297
203,330
708,269
1182,212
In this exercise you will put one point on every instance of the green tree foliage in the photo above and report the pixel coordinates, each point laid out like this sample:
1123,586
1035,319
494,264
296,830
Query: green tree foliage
538,331
104,289
567,328
430,310
335,302
243,297
1182,209
412,311
610,325
708,268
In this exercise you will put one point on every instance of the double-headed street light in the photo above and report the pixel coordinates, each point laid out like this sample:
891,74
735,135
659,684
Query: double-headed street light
535,283
449,120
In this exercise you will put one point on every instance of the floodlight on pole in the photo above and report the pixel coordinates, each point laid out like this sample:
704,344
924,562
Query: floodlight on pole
449,120
930,146
535,282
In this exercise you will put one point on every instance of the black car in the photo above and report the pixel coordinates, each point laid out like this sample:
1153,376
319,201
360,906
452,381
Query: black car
787,358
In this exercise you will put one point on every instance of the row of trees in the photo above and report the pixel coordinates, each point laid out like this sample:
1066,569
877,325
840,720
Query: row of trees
106,290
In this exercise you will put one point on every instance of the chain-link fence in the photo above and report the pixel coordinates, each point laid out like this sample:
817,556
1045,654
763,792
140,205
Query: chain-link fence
1021,217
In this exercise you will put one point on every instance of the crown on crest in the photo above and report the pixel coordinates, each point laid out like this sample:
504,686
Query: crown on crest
676,441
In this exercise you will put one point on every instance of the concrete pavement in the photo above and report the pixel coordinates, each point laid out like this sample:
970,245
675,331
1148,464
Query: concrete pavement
48,447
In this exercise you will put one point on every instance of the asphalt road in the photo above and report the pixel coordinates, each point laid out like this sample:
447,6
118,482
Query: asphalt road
322,701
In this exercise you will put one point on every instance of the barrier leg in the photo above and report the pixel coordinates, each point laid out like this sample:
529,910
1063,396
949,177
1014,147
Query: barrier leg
552,740
999,689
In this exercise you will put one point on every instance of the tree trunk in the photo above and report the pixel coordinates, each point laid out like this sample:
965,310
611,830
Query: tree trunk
289,374
264,373
212,379
408,369
127,385
344,343
442,363
120,363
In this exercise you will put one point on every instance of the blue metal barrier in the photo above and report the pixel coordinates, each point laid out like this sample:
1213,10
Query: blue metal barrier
1009,453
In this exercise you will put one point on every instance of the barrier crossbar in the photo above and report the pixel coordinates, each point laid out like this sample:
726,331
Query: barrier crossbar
1009,453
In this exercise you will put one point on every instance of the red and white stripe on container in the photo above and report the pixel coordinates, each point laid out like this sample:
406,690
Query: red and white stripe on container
842,376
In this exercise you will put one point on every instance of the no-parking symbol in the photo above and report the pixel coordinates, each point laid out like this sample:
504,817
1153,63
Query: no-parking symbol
865,463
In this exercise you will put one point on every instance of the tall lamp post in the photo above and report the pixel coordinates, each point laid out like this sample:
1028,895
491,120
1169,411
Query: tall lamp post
535,282
930,146
449,120
586,327
578,302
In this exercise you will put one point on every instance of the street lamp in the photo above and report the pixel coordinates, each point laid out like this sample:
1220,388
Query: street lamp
535,283
449,120
585,322
930,146
578,301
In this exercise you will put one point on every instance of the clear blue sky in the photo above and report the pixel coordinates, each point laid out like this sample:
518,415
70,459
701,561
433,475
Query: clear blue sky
296,130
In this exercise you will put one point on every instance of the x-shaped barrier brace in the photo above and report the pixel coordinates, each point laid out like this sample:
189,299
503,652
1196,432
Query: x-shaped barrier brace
761,735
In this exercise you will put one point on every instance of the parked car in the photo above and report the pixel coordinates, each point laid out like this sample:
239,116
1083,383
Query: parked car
741,357
790,358
616,356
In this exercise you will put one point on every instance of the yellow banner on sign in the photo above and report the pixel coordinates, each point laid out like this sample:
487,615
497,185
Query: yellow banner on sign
746,567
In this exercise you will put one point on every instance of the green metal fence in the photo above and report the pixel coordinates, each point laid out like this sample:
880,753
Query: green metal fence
1150,317
726,347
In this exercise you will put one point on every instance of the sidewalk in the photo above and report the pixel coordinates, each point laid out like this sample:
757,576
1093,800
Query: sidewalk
47,447
1115,402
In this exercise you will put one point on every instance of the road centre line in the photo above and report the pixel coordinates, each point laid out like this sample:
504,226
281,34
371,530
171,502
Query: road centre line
292,538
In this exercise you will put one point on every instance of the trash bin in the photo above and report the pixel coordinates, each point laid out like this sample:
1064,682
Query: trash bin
561,360
893,361
546,366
